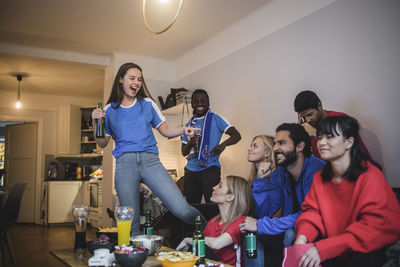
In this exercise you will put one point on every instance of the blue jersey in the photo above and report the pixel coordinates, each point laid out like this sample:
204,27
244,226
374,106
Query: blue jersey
132,126
275,193
219,125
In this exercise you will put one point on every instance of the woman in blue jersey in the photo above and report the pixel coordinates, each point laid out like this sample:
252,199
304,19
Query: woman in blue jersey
130,114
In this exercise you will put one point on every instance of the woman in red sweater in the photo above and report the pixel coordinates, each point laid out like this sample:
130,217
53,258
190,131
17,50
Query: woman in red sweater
350,207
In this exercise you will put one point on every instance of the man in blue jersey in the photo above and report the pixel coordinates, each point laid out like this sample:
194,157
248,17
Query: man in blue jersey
285,190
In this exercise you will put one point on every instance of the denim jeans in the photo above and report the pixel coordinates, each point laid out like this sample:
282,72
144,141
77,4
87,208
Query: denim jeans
290,236
257,261
135,167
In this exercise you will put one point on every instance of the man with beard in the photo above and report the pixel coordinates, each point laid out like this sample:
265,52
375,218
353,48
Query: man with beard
310,112
285,189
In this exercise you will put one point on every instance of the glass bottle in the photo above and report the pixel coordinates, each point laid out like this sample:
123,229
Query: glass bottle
148,227
100,124
198,245
251,247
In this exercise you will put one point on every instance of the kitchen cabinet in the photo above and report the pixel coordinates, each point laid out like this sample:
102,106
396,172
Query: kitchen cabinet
75,136
88,143
62,195
68,129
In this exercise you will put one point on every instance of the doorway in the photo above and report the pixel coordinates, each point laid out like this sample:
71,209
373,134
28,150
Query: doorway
20,163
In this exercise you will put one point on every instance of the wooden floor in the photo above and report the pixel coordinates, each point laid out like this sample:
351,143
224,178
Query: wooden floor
31,243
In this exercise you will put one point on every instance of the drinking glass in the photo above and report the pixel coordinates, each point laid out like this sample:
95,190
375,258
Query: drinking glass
123,216
81,213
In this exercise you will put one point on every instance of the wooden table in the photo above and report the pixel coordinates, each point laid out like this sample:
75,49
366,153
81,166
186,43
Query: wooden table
69,258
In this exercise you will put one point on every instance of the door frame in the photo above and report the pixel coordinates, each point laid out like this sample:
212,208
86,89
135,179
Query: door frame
39,180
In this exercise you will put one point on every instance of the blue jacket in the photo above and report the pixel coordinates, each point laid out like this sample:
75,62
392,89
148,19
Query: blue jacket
276,192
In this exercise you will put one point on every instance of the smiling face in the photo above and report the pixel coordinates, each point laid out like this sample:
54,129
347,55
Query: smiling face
332,147
257,151
284,149
220,193
131,82
200,104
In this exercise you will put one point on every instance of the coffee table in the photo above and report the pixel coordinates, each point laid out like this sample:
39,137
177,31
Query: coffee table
69,258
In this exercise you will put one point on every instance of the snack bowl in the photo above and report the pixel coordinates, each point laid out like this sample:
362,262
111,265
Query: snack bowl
151,242
112,233
93,246
177,259
131,259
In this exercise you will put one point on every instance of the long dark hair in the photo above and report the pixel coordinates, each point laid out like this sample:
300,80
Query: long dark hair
117,91
347,127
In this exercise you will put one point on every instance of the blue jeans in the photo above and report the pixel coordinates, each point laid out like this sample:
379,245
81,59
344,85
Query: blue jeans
288,239
257,261
135,167
290,236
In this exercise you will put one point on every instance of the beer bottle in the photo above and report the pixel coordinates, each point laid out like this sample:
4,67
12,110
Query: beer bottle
100,124
199,244
251,249
148,228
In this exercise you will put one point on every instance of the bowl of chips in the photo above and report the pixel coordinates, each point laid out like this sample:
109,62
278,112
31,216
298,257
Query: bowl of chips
177,259
111,232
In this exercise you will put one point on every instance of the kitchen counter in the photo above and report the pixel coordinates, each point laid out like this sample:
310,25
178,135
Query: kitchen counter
62,196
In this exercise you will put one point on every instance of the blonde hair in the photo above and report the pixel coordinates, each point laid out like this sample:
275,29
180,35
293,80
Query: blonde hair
242,202
269,146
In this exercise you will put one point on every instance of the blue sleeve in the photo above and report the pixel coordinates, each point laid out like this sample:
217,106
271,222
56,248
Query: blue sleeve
267,195
222,123
274,226
157,117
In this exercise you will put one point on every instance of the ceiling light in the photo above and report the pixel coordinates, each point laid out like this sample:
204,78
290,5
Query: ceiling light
18,104
166,28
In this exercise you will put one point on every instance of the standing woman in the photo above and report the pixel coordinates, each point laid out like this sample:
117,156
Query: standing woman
350,204
130,114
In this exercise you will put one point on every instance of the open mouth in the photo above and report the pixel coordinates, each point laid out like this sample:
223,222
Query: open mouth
279,156
134,89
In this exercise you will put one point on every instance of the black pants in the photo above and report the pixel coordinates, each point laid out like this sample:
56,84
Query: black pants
356,259
273,249
198,183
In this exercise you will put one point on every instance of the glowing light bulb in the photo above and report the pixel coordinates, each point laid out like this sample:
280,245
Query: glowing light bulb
18,104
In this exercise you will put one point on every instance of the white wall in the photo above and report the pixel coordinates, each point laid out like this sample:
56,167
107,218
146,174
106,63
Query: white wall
347,52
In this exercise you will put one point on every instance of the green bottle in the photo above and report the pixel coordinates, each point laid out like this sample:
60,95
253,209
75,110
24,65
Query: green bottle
100,124
148,227
199,244
251,248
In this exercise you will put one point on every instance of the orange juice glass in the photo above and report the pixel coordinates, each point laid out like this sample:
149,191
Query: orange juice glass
123,216
124,232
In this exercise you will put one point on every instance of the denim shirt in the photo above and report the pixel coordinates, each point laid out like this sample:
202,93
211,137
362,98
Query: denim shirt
276,192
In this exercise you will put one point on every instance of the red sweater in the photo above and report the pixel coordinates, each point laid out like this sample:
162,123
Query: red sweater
358,216
314,140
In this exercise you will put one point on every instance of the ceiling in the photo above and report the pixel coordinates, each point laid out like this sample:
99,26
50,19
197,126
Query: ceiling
102,27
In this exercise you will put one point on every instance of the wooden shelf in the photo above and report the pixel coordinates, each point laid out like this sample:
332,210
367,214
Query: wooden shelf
85,155
175,110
